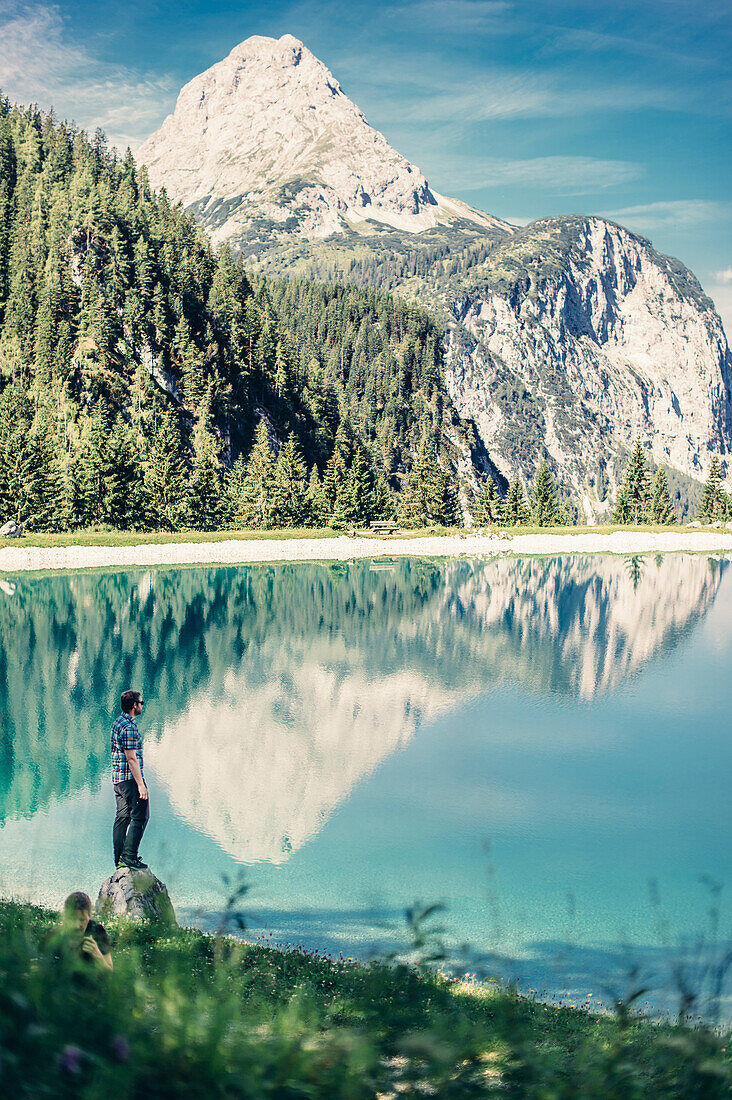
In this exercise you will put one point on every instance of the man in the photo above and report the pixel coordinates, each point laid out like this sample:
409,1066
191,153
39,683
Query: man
77,936
133,803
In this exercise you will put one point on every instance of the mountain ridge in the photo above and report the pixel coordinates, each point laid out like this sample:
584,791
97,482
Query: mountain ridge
565,339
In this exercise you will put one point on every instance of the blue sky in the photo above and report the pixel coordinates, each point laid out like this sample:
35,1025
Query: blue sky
520,107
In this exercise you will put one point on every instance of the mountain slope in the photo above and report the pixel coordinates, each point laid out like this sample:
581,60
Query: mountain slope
566,340
576,337
268,135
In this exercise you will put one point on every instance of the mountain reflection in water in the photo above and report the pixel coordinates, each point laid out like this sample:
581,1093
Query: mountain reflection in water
273,690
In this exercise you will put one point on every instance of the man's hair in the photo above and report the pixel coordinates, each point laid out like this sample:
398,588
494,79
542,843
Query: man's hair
129,698
78,902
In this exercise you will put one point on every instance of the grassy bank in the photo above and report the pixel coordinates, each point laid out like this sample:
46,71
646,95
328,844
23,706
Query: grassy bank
96,536
186,1014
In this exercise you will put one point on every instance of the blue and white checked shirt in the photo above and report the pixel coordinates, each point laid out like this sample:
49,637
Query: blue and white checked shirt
125,735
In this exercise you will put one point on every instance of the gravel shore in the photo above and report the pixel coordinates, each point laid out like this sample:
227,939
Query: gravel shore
15,559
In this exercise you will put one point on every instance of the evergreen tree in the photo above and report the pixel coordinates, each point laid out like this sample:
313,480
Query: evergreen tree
430,493
317,505
253,506
545,508
166,490
233,488
515,508
290,491
634,497
487,507
661,509
206,501
713,505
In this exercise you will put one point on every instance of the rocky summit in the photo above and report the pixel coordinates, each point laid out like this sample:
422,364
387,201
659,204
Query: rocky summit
564,340
268,136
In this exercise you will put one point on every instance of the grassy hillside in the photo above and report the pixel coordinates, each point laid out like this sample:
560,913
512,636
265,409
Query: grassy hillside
195,1015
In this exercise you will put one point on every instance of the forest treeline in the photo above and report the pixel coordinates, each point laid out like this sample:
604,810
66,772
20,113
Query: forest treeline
141,371
148,382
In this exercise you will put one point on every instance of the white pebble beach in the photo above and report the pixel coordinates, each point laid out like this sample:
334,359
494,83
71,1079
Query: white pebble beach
15,559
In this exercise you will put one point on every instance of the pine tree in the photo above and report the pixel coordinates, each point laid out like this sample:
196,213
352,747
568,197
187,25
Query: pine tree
254,503
290,491
445,499
635,494
487,507
317,505
360,486
430,493
661,509
166,476
545,510
206,500
233,488
515,508
713,505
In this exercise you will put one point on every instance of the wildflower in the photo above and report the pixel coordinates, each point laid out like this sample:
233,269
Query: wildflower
120,1048
70,1058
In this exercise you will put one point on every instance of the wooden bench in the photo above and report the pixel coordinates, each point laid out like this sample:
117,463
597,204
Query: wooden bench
383,526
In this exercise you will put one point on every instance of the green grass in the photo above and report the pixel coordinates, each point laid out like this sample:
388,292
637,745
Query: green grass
96,536
186,1014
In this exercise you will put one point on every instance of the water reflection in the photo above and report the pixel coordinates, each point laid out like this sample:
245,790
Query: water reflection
273,690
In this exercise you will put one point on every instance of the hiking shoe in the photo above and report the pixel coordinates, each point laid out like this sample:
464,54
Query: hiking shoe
133,862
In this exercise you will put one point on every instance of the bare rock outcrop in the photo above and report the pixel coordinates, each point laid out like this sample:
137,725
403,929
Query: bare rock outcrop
138,895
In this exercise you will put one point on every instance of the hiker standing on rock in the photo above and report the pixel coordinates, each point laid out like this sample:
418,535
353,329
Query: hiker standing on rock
133,803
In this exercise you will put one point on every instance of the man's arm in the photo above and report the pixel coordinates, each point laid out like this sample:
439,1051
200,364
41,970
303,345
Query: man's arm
131,756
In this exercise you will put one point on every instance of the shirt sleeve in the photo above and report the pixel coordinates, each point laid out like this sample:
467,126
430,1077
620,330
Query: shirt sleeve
127,737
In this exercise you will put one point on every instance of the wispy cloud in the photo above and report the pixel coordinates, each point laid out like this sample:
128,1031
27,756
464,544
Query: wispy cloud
506,95
724,276
568,175
457,15
678,214
39,65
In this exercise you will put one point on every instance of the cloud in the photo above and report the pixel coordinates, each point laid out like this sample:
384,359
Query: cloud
504,94
724,276
678,214
39,65
457,15
567,174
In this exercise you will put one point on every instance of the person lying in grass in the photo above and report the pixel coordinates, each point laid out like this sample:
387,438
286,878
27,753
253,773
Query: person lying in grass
77,936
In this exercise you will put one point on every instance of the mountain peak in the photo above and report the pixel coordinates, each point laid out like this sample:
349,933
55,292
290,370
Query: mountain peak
268,134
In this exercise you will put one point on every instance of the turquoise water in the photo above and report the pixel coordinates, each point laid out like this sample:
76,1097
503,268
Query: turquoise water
540,744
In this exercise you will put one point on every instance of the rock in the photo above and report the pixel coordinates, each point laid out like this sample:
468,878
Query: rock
569,337
138,895
694,523
10,530
268,132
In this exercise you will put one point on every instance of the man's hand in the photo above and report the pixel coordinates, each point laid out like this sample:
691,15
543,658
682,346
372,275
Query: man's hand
90,947
142,790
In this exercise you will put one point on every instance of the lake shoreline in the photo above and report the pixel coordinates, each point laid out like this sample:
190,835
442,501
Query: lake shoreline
244,551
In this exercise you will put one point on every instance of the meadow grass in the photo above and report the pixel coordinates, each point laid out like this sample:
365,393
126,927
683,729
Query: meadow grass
108,536
189,1014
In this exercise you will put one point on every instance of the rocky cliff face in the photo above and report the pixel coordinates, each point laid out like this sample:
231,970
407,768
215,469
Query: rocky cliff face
265,144
565,340
576,337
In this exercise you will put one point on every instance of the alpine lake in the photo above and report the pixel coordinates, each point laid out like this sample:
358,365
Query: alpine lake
540,746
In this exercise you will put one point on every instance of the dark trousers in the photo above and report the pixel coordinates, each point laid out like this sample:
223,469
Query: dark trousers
133,814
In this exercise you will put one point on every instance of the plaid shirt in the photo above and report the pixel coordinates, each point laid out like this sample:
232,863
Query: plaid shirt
125,735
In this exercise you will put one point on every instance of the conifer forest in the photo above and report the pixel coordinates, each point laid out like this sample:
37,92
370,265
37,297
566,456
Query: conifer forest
148,382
